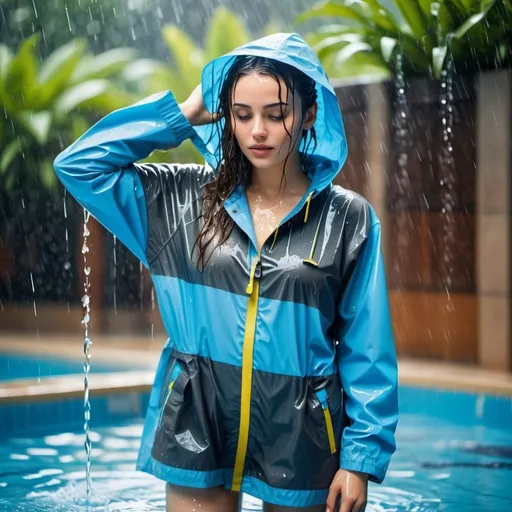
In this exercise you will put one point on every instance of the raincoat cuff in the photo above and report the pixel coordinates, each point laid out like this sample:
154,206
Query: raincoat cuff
376,472
175,118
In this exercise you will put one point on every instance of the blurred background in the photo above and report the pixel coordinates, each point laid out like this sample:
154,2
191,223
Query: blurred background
424,88
425,91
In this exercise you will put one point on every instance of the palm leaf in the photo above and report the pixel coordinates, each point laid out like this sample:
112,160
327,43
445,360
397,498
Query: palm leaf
387,47
78,94
104,65
414,16
363,64
10,152
381,16
37,124
470,24
5,60
438,57
21,74
331,9
56,71
334,44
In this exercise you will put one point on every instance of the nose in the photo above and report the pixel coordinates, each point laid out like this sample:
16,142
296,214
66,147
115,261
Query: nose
259,131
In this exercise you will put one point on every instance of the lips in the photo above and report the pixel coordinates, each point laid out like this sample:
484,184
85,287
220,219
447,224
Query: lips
261,151
260,146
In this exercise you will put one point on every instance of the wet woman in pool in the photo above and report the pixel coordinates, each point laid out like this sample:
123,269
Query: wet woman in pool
279,377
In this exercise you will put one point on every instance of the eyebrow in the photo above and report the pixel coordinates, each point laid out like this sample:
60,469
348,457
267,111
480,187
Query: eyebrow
265,106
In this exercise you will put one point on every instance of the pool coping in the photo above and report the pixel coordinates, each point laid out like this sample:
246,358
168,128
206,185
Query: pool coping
412,373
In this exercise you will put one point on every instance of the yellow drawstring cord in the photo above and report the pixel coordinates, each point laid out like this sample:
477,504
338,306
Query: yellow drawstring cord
313,245
275,237
308,202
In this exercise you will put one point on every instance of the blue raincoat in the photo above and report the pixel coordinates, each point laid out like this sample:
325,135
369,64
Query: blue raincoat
280,366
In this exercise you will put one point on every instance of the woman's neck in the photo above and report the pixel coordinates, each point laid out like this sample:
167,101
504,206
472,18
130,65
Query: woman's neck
270,185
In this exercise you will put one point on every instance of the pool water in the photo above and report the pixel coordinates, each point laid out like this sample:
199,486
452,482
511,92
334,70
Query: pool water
26,366
457,461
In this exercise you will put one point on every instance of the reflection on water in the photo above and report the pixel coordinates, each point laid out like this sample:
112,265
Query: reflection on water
438,467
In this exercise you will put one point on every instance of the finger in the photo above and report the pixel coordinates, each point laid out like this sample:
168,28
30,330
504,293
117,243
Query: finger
331,498
360,506
347,503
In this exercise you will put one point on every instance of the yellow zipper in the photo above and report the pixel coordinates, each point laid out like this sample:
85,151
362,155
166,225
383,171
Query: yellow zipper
253,289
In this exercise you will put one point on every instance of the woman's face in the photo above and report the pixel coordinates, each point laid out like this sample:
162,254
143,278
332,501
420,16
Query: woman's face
257,119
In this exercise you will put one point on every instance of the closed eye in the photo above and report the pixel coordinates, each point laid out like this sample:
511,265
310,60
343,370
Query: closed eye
247,117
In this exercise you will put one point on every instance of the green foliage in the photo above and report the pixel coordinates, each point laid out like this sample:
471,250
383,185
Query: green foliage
38,99
49,104
476,33
226,31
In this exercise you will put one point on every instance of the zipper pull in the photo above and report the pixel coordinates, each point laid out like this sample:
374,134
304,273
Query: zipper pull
255,274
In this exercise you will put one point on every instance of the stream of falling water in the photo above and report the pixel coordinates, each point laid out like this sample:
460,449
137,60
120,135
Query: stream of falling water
86,302
447,176
403,189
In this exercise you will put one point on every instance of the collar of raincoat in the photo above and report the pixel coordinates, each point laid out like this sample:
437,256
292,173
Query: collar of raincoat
331,150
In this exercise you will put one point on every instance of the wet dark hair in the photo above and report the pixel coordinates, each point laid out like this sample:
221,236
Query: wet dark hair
235,168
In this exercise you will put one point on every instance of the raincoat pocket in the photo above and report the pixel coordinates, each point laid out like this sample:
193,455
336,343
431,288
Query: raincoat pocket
186,431
173,393
322,398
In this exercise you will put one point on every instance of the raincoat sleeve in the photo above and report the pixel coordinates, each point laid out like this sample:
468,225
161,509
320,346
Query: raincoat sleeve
99,172
367,365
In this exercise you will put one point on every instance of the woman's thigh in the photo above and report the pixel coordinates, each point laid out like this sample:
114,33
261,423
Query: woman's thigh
190,499
277,508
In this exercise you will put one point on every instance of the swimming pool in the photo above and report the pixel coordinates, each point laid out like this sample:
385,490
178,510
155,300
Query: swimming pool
25,366
454,454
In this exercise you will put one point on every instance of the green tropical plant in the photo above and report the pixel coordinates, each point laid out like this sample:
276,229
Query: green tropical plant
51,102
476,33
225,32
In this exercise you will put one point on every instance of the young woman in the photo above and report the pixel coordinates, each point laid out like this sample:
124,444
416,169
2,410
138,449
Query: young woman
279,376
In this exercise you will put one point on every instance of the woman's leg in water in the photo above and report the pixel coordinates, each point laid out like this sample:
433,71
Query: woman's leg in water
192,499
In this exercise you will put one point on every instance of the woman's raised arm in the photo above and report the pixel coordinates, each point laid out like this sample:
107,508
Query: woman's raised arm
99,172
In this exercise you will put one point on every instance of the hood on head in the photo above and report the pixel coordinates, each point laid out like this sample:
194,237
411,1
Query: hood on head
331,150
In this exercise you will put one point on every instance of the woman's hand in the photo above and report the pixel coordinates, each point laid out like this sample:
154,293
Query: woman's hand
194,110
353,487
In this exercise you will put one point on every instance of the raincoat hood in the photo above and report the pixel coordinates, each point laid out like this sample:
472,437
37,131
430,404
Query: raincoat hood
331,149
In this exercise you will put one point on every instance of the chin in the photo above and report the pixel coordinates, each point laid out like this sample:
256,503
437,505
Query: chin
264,163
